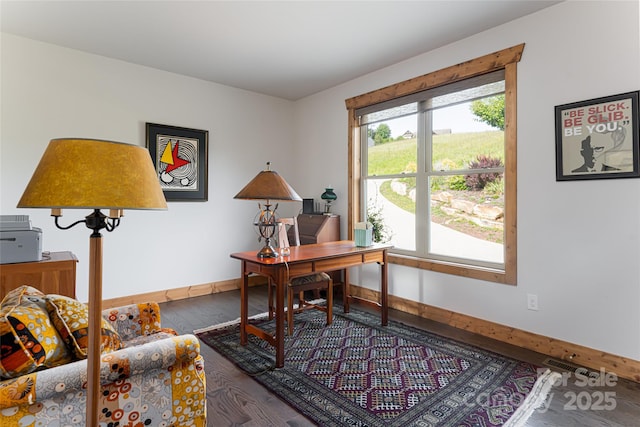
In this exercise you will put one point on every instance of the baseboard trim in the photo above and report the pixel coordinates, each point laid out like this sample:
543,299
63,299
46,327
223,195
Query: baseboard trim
573,353
182,293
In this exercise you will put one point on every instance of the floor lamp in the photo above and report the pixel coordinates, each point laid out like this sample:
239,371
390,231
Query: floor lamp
96,175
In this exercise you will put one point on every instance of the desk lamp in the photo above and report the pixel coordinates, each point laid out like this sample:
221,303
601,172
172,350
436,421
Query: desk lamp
93,174
268,186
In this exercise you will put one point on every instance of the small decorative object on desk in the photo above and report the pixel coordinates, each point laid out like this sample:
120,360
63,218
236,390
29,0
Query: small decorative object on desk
364,234
328,196
283,240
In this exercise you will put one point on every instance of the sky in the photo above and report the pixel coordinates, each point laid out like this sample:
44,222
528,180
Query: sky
458,118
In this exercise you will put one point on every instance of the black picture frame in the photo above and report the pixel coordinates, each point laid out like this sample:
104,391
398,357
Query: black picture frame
598,138
180,157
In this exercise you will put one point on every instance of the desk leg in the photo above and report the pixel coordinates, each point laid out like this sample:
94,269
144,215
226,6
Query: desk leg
279,338
347,291
384,290
244,305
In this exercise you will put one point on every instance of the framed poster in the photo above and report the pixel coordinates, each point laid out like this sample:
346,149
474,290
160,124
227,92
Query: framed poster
598,138
180,159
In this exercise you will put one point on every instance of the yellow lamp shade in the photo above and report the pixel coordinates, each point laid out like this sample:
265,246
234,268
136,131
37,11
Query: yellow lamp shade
94,174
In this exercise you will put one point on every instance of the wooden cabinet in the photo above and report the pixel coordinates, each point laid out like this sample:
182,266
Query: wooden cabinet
55,274
317,228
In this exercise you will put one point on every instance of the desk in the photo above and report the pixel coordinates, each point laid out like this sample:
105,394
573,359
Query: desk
303,260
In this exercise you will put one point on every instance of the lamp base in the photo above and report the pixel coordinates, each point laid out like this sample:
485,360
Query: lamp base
267,228
268,251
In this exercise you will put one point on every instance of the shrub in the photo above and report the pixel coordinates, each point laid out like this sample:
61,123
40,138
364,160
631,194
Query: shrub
411,167
458,182
381,232
477,181
437,183
495,189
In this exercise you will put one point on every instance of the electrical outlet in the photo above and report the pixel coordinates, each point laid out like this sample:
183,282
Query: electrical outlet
532,302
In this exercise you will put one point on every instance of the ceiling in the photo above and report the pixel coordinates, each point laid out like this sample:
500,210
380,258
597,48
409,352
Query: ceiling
288,49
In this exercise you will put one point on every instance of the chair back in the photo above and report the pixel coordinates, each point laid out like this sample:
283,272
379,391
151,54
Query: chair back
293,234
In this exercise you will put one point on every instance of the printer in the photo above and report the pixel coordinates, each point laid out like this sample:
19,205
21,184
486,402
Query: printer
19,241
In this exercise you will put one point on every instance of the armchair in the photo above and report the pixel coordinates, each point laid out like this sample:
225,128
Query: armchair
156,379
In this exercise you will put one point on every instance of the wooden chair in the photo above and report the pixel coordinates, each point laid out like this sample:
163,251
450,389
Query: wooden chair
298,285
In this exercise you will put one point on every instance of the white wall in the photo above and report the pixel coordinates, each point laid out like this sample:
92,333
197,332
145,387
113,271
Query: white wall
51,92
578,242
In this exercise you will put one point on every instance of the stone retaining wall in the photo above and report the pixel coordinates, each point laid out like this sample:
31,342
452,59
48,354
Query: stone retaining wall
483,214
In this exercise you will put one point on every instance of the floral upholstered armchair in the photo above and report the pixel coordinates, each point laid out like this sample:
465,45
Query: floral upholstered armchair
149,375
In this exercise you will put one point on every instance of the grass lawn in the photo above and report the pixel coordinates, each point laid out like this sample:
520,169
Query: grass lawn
453,151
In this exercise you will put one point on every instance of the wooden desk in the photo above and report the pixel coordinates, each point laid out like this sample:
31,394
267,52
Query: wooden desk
303,260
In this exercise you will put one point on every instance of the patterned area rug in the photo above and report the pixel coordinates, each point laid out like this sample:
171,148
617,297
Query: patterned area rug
358,373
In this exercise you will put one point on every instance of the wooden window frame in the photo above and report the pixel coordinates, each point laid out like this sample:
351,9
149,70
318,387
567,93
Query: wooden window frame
506,59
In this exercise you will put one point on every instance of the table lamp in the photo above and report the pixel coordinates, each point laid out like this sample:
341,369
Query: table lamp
328,196
93,174
268,186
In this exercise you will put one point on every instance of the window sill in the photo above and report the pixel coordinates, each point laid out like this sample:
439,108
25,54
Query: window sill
487,274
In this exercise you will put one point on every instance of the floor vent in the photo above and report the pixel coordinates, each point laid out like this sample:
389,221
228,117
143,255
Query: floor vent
571,367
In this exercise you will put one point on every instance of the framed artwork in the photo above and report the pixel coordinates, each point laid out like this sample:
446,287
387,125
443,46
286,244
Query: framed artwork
180,159
598,138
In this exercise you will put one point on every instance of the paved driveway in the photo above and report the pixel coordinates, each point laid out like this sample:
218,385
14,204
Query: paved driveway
445,240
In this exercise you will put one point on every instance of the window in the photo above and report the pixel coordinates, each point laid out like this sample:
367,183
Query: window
434,159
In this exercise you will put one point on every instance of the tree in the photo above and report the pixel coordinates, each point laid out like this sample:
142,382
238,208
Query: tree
490,111
382,134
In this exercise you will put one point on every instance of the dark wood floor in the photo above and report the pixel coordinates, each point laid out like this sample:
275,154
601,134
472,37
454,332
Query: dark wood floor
235,399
